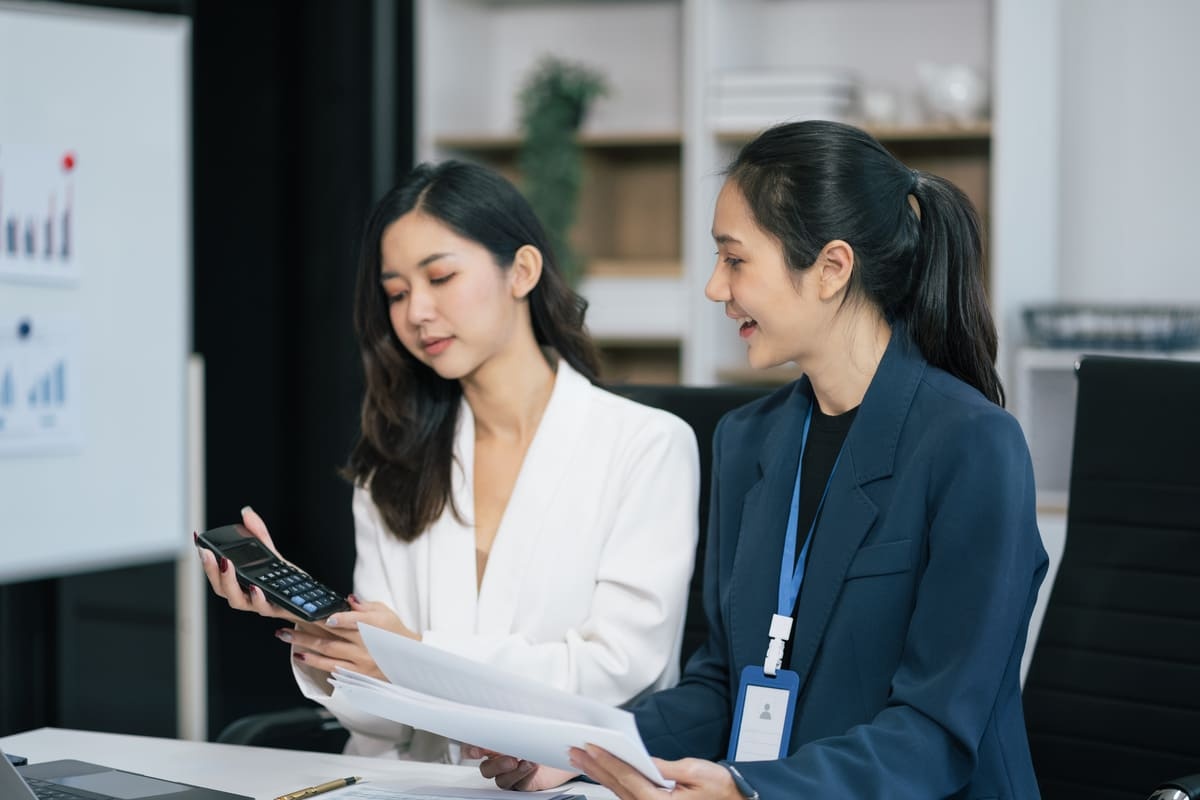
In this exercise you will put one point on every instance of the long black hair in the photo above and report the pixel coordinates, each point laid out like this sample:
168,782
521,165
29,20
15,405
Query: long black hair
808,183
409,414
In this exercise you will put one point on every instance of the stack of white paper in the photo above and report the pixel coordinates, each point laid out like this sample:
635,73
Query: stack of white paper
476,704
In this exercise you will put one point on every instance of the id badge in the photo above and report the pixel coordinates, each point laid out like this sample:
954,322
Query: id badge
762,718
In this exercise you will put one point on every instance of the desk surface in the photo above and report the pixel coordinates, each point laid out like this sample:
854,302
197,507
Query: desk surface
260,772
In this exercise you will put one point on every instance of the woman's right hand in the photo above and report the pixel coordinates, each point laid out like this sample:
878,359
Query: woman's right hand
515,773
223,577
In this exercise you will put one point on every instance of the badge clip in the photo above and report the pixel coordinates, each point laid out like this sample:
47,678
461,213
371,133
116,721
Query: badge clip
781,631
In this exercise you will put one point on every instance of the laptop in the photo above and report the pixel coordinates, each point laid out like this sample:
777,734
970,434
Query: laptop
78,780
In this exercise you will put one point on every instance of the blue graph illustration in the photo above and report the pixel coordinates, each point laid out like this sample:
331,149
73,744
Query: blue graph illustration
6,389
50,389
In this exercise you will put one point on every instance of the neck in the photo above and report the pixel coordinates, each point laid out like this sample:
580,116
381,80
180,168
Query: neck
509,393
841,375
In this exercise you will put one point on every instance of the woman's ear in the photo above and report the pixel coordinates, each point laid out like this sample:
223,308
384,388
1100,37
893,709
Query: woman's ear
836,262
526,271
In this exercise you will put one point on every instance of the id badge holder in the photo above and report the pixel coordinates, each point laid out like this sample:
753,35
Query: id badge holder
762,718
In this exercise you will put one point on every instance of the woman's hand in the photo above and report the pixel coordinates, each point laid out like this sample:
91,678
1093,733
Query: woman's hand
695,778
336,642
223,577
515,773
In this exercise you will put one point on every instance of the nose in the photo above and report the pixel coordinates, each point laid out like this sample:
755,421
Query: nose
717,288
420,306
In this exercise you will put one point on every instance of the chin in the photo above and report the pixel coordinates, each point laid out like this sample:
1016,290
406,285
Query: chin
759,360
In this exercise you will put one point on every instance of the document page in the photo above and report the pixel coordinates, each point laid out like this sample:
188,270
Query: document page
476,704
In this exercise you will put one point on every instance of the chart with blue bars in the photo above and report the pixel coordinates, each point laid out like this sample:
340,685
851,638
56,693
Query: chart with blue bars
37,213
39,403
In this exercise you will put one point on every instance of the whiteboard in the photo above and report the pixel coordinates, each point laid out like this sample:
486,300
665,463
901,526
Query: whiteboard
95,249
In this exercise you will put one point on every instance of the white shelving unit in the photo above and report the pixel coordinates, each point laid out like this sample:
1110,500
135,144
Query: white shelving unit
653,150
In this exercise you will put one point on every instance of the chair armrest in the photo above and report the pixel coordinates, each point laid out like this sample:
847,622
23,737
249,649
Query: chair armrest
1187,788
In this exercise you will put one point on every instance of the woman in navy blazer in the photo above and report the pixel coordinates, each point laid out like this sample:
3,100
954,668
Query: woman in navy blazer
925,561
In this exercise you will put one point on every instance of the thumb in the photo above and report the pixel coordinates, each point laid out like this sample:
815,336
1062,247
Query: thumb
254,523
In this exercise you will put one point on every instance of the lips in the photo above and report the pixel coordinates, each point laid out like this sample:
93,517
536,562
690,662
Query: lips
747,329
436,344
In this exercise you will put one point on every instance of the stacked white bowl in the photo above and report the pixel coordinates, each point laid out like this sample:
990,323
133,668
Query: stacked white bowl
752,99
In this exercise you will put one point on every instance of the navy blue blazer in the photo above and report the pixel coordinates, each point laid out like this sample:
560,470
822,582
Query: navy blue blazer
921,578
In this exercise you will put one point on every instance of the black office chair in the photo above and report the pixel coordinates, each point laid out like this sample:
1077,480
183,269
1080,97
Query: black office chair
314,728
1112,698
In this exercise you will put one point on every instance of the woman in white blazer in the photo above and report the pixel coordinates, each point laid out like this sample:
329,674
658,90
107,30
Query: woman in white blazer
506,508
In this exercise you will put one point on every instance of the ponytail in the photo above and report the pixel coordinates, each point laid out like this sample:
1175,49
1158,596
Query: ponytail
948,314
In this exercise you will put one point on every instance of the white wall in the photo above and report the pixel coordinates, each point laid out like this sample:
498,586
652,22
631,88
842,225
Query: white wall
1130,169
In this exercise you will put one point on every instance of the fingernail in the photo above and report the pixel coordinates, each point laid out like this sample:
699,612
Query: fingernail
283,634
245,509
353,598
332,622
223,564
298,656
195,538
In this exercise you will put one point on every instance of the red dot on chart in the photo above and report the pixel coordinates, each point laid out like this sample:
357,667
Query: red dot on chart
68,162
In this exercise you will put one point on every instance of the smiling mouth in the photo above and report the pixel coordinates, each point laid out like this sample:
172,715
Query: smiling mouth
747,328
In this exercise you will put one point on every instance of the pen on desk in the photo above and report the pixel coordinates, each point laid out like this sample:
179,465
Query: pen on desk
320,788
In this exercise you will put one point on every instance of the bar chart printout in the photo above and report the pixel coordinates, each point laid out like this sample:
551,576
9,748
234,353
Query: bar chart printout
40,409
37,214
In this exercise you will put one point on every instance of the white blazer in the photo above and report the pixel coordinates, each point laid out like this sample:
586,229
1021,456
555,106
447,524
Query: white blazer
586,584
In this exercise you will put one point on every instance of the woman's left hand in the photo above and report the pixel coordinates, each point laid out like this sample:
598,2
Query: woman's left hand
695,778
336,642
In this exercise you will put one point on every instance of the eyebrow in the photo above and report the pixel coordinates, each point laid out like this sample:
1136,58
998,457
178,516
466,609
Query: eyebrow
388,275
725,238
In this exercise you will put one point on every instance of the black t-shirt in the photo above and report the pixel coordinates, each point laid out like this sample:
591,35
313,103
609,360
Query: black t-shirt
825,437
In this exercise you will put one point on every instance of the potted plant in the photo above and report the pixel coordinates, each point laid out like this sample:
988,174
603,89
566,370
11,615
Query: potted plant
554,102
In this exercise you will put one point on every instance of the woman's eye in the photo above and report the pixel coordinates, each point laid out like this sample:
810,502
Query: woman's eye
732,262
397,297
438,281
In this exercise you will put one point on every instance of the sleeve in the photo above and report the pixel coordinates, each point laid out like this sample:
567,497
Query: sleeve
965,636
369,735
694,718
630,635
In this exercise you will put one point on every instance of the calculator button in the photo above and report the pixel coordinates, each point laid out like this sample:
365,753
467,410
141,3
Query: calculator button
309,607
298,600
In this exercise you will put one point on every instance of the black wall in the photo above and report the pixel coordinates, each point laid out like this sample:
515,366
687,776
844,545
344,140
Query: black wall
302,111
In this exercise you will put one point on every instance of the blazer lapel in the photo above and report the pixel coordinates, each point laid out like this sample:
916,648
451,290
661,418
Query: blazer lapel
450,568
847,516
868,455
754,592
547,462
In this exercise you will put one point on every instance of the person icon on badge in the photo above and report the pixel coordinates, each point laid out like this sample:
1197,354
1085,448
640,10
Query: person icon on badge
766,712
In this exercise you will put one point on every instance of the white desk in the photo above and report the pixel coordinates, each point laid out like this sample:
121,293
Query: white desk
260,772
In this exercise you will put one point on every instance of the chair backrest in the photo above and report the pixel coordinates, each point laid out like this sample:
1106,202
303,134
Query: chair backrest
1112,699
702,408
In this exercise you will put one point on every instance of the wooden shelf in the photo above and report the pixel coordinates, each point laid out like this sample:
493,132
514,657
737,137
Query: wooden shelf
634,268
501,143
976,131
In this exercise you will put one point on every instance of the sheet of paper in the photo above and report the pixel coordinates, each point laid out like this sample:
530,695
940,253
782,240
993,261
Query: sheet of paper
473,703
393,791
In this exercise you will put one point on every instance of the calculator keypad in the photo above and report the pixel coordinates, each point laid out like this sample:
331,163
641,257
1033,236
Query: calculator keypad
301,589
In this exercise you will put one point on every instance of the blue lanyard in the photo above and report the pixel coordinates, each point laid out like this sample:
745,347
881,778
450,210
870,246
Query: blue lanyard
791,569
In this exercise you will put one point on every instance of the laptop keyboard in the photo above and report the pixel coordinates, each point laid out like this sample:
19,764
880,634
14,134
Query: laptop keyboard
45,790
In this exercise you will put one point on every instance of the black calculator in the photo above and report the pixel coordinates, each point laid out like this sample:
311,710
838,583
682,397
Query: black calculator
283,584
